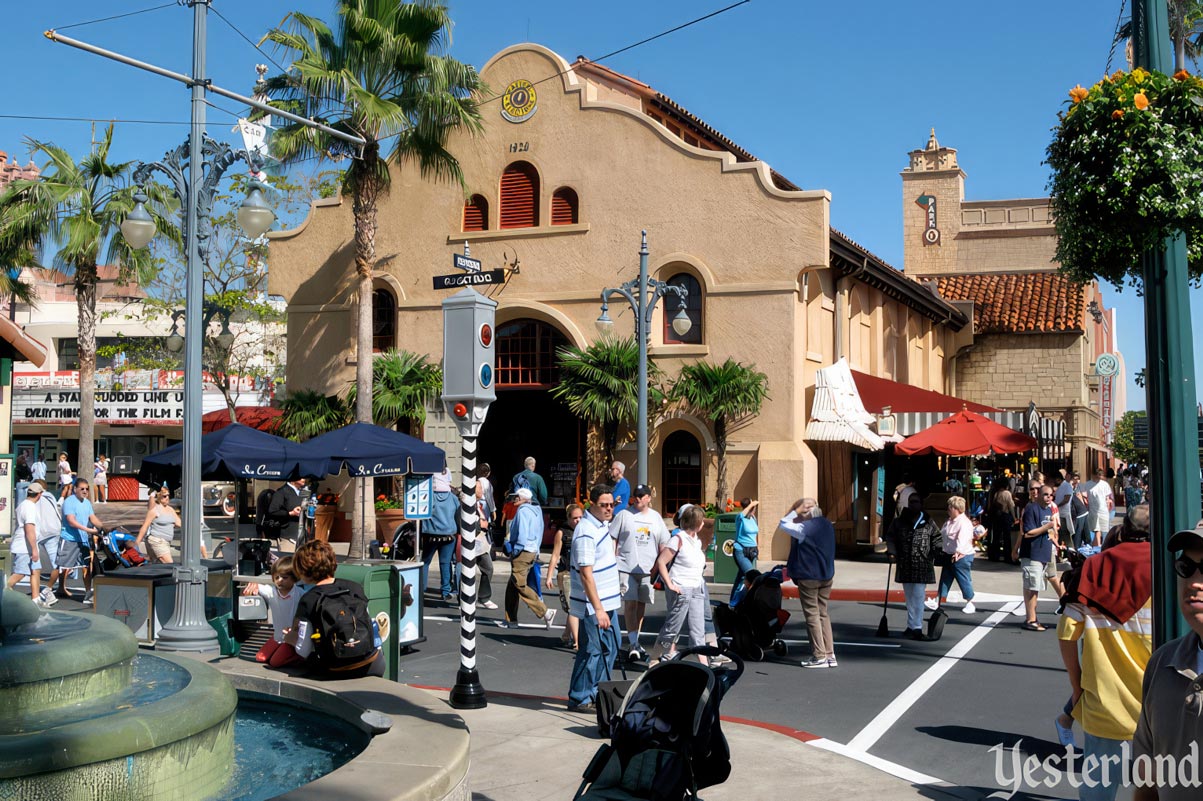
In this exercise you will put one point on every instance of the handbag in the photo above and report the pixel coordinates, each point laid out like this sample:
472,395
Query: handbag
943,559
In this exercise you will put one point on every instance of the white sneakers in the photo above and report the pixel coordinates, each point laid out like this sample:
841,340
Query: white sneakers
487,605
549,616
48,597
969,608
932,603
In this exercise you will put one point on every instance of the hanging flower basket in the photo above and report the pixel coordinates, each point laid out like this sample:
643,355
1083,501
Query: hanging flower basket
1127,172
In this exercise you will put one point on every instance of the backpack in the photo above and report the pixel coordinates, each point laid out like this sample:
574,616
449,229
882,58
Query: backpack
344,629
265,523
521,481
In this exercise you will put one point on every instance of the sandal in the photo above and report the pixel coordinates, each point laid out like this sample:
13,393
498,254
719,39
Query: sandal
1032,625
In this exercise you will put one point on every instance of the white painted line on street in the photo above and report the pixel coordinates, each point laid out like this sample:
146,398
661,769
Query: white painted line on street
892,768
877,727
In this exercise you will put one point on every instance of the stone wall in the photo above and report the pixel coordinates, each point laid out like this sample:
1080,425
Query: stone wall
1011,370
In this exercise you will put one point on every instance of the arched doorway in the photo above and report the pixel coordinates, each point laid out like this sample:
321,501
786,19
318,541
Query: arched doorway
681,460
526,420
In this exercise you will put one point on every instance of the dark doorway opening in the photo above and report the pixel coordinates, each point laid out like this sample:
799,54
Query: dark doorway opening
681,455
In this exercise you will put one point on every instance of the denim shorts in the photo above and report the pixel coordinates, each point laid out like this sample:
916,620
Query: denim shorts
22,565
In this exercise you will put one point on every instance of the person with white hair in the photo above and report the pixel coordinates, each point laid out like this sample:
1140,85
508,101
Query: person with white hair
526,536
531,480
622,487
811,565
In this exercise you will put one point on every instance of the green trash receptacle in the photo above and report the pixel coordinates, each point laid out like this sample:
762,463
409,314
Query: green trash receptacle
381,587
5,559
725,527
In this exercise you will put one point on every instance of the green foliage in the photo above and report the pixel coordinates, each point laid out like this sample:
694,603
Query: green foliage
308,414
403,385
600,385
1123,443
1127,163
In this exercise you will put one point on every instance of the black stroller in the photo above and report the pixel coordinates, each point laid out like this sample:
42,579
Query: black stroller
754,625
666,741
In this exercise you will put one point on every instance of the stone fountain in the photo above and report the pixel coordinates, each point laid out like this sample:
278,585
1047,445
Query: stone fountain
83,715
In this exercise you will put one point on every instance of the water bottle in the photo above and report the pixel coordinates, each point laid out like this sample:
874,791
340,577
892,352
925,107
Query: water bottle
311,509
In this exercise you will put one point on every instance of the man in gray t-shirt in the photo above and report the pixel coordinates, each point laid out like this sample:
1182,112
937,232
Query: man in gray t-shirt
641,534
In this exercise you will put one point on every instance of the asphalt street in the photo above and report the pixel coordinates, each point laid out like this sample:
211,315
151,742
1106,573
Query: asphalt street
935,709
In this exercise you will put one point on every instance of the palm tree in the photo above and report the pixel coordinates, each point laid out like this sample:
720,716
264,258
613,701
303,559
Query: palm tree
380,75
600,385
404,384
726,394
77,209
308,413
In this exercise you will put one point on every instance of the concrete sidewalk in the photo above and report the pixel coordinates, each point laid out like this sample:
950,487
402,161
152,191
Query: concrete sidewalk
555,746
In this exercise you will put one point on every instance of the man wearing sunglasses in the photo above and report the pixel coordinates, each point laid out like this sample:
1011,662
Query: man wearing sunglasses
1035,550
1171,720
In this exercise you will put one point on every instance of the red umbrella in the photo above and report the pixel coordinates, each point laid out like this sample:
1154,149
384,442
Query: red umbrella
966,434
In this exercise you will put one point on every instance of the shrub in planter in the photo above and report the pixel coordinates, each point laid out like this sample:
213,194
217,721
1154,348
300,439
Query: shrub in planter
1127,172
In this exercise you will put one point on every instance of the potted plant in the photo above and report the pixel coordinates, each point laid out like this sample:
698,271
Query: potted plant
390,513
1127,172
327,509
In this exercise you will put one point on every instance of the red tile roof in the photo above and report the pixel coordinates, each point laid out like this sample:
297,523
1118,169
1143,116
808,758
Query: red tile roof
1019,303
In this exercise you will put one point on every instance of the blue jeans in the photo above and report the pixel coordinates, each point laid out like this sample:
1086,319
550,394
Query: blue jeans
21,490
915,595
962,571
742,565
1101,747
594,662
446,554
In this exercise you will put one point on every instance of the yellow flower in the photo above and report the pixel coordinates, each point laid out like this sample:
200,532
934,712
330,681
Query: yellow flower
1141,101
1078,94
1139,75
1115,115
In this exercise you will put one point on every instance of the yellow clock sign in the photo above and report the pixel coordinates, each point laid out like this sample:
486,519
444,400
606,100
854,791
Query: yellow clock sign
519,102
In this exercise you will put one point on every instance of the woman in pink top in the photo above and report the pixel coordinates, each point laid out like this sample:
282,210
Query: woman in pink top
958,550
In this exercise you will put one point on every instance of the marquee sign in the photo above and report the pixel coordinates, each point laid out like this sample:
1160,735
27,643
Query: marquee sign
132,407
931,234
519,101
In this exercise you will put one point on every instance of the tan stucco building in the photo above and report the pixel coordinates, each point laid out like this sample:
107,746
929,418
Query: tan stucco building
572,164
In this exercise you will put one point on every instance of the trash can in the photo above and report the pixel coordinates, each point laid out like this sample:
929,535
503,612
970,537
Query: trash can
4,559
380,584
725,527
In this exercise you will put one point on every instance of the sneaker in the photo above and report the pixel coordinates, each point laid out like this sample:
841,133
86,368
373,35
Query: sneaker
48,597
816,663
932,604
39,603
969,608
1065,736
487,605
832,663
548,617
719,661
88,599
588,708
508,624
636,655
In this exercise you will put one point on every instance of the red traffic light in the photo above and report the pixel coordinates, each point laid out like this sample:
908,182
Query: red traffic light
486,335
460,410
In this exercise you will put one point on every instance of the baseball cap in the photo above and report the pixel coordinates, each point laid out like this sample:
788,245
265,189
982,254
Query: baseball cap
1186,538
524,493
35,488
641,489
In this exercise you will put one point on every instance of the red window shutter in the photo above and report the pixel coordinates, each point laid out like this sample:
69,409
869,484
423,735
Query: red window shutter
563,207
519,196
476,214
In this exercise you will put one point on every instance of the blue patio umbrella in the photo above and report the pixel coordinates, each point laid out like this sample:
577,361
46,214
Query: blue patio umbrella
234,452
369,451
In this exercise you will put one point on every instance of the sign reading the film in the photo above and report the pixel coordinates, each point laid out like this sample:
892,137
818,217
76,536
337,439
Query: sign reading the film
931,234
132,407
519,102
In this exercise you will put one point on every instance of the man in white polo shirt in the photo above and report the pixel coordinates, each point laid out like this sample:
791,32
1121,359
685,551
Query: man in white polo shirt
24,548
594,599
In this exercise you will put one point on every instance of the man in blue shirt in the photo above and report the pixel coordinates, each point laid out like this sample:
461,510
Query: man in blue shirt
594,600
812,567
1036,548
622,487
526,537
80,528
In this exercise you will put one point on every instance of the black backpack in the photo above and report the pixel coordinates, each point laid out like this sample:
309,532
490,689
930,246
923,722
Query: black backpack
267,525
344,628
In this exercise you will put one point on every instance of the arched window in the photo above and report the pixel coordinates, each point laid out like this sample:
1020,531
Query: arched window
526,355
519,196
693,308
476,214
681,465
384,321
564,207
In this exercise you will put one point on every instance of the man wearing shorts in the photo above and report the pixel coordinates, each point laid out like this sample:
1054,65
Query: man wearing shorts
24,549
1036,549
641,534
80,527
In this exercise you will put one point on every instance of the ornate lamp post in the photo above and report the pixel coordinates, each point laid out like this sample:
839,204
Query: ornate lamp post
642,294
195,168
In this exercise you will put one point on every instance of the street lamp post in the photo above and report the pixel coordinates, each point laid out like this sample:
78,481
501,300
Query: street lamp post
642,294
195,168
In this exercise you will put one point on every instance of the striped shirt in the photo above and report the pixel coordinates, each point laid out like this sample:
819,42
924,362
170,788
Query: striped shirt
592,546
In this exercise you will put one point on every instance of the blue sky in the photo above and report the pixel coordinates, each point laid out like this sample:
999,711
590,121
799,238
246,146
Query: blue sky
832,95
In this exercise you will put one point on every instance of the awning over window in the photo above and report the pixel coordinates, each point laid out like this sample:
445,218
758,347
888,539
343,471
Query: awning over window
917,409
838,414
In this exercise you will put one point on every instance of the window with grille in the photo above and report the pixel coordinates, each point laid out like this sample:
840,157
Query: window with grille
693,308
384,321
526,355
564,207
476,214
519,196
681,463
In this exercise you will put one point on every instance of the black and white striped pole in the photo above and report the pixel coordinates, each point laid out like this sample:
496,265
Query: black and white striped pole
467,393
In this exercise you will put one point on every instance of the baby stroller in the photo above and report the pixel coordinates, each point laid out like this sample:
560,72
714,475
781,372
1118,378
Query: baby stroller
754,625
666,741
115,550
